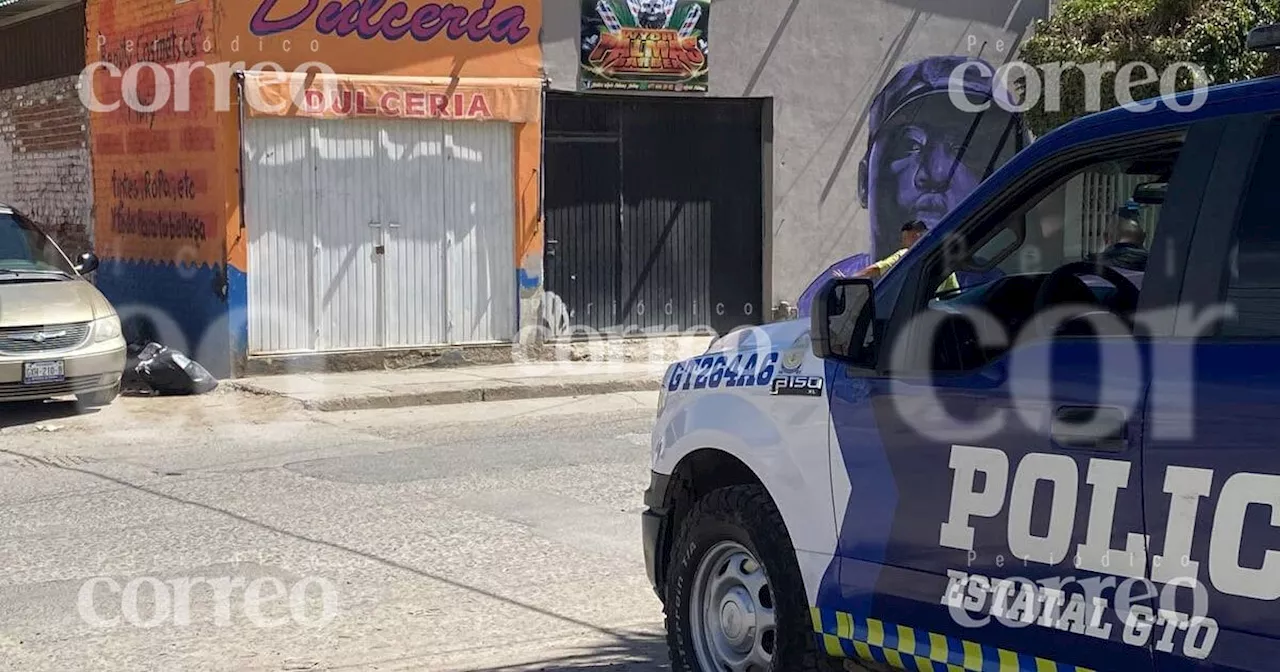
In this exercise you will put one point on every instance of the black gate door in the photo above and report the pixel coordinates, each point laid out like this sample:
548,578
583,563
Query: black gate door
582,238
654,213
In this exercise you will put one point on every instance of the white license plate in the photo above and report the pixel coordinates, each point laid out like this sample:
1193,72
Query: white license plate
42,372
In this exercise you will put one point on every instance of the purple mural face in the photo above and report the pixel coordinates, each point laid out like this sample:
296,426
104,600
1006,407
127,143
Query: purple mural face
926,159
922,174
924,154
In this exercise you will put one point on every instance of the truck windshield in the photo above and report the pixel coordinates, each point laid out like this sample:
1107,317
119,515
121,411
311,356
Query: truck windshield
26,249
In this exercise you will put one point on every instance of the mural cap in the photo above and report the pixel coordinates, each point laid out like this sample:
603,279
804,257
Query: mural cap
932,78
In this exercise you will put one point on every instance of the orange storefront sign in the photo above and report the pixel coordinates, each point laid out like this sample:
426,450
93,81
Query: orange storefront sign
344,96
467,38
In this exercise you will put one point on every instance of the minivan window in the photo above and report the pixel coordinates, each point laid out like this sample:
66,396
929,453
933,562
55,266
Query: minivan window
1253,271
25,248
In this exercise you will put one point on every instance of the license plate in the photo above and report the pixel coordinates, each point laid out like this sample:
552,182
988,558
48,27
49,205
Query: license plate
42,372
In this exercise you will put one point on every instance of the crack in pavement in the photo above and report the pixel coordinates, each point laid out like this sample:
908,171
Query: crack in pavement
611,632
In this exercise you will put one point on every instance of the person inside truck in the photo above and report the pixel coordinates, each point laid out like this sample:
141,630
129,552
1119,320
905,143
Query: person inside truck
1125,246
912,232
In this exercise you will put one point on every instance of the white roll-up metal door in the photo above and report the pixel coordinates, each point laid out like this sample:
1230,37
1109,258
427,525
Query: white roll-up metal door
480,231
368,234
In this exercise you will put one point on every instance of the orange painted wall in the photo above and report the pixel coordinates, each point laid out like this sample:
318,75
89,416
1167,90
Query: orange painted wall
159,194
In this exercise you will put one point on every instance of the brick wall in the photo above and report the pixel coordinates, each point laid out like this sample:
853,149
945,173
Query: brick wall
44,159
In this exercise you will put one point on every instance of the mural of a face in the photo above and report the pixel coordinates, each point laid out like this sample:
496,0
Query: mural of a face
925,155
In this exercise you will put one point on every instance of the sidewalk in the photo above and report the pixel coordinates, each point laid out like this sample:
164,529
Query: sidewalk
424,387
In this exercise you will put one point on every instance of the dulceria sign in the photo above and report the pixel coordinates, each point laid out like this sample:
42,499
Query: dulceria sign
369,19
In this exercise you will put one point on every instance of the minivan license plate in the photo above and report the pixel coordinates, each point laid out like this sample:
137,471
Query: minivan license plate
42,372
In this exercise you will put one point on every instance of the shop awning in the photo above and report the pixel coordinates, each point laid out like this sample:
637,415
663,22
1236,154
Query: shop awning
273,94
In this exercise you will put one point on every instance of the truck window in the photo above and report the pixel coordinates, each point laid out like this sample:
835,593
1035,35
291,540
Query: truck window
1253,274
1092,216
1028,266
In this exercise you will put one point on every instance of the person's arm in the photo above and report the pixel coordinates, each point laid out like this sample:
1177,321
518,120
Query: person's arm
874,271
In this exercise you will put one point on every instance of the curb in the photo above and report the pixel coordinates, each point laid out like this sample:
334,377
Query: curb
475,395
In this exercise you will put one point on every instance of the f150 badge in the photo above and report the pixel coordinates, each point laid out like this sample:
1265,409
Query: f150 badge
801,386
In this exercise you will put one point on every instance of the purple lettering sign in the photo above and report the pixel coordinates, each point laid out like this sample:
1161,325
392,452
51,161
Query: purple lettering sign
369,19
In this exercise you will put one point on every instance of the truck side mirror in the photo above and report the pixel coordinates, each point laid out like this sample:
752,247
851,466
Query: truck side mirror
841,319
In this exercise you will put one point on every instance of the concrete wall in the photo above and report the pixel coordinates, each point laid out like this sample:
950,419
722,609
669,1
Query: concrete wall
822,62
44,159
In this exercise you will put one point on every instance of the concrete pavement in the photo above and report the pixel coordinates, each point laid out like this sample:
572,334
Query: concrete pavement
495,536
433,386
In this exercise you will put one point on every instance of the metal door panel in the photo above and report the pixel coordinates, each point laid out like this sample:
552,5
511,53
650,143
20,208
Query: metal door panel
583,248
667,236
279,212
480,231
412,208
348,272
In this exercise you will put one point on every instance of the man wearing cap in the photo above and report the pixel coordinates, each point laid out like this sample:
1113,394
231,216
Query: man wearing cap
924,154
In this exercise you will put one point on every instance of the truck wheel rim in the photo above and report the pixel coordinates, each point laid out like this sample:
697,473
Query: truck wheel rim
734,627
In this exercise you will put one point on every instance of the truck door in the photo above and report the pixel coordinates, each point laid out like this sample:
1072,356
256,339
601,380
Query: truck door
1211,459
983,522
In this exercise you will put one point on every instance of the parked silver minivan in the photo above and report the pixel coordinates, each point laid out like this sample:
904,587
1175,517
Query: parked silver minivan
59,335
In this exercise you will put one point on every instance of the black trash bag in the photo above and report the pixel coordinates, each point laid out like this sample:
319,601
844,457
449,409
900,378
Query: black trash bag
172,373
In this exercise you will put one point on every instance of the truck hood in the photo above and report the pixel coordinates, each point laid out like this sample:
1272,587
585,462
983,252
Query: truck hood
48,302
775,337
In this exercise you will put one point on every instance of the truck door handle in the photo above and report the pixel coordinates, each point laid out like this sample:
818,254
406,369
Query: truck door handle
1095,428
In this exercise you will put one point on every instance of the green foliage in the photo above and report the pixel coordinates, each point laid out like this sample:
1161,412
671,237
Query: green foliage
1209,33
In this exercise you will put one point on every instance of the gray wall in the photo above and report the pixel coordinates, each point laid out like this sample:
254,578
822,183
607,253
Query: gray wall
821,61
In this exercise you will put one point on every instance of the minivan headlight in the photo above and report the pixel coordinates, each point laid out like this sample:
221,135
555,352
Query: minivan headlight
106,329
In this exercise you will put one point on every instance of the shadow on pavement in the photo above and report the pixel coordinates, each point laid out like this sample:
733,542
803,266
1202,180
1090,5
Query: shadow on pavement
17,414
633,652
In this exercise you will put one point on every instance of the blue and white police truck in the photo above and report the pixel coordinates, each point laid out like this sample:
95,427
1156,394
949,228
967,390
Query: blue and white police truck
1072,466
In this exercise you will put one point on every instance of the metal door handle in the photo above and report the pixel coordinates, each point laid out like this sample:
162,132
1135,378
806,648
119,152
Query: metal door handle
1107,428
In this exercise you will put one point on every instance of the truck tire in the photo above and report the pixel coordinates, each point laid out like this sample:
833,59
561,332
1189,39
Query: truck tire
734,595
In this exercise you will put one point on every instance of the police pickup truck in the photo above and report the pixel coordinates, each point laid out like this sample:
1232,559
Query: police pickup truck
1069,467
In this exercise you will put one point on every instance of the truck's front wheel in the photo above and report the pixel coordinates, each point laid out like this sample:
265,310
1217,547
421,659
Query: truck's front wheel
734,596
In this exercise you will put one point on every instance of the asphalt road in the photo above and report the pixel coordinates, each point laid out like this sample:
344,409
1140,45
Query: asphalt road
233,532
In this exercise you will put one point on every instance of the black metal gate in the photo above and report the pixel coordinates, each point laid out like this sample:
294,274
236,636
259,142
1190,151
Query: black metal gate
654,213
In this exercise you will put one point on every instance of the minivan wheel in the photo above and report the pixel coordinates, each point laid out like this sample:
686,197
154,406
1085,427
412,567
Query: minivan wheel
734,596
100,398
